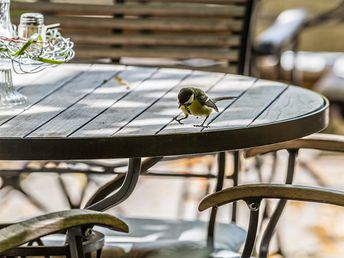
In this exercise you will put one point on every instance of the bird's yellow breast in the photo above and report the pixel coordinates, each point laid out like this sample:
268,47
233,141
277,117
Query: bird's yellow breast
196,109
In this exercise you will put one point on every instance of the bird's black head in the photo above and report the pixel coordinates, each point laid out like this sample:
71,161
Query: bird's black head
184,95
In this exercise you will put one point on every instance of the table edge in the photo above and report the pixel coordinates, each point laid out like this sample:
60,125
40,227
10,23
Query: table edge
163,145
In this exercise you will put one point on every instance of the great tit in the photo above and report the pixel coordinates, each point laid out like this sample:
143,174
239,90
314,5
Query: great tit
194,101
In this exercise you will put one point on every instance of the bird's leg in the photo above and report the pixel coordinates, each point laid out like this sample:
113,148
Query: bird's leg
202,125
179,120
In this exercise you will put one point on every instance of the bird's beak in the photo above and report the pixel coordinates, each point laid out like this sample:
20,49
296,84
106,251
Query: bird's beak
179,105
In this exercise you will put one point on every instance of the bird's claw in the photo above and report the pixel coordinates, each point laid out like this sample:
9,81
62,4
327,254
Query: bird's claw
178,120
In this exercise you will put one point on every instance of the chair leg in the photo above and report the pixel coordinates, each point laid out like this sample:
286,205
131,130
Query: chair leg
270,229
254,206
219,185
235,177
75,243
99,253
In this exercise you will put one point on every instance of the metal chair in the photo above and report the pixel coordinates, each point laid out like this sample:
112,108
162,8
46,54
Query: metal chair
81,240
323,142
255,193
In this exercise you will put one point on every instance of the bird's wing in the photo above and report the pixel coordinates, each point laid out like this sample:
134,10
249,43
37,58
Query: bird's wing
211,103
205,100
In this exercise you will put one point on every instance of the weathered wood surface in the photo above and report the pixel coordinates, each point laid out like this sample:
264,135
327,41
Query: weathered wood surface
94,104
177,31
196,1
120,104
156,9
163,39
178,53
159,24
25,231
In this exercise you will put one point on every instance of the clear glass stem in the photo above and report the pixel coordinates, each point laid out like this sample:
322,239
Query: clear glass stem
8,95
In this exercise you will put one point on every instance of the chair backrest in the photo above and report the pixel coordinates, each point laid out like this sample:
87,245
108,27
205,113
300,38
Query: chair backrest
216,30
321,141
252,194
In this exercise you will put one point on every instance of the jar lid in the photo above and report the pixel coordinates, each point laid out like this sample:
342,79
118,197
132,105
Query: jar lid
32,19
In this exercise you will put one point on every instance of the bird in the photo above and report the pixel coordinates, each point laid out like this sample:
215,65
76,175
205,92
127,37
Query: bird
194,101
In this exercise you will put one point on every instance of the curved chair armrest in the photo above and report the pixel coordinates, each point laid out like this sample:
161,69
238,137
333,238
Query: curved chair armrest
320,141
282,32
22,232
276,191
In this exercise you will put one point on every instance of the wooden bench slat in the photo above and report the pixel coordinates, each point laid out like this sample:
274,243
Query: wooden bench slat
154,24
210,29
155,9
220,68
156,52
196,1
100,2
163,39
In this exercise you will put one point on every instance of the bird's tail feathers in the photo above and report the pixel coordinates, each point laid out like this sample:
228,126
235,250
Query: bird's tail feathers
223,98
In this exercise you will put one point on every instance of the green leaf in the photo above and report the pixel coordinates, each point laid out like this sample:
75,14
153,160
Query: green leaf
34,38
49,61
24,47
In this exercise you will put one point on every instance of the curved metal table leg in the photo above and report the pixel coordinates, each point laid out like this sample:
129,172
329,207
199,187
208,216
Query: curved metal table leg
124,191
118,182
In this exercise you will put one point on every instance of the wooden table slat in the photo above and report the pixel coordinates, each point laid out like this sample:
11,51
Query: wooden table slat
39,114
122,112
81,112
231,85
240,112
38,88
295,102
245,110
161,113
94,104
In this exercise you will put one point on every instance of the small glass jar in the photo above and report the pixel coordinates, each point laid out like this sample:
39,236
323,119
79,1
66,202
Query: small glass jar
30,24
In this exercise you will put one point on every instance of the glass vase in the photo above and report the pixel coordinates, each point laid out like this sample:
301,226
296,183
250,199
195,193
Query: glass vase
8,95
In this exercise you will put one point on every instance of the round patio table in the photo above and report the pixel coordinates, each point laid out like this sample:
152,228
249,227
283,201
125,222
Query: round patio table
84,111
